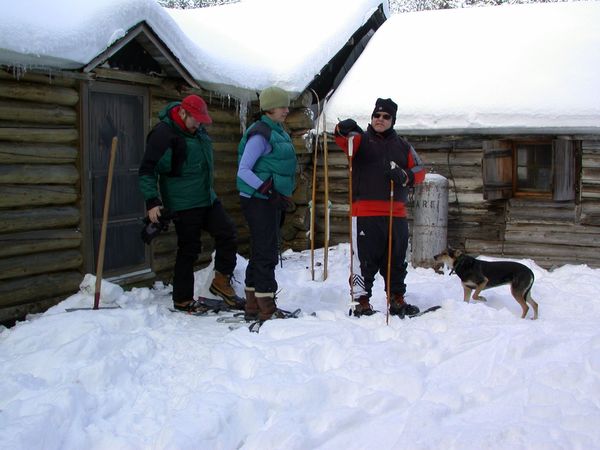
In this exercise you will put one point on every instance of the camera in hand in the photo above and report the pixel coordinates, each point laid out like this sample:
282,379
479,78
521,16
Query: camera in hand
151,229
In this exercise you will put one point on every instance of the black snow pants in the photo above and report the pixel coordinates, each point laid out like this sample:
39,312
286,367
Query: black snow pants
189,224
263,221
371,238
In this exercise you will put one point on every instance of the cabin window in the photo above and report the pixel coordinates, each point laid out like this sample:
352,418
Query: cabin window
533,167
530,168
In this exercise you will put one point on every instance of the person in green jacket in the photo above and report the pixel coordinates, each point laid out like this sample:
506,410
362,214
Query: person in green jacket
266,180
177,173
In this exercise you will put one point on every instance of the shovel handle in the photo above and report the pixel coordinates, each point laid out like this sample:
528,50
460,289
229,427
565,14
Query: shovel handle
102,245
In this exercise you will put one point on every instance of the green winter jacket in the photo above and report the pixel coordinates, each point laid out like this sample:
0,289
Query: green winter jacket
280,163
178,168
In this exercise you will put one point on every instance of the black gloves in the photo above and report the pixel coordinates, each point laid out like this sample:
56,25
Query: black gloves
151,229
276,199
345,127
400,176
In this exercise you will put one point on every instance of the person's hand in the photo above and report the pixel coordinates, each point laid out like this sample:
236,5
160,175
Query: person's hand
346,127
267,187
154,214
279,201
399,175
276,199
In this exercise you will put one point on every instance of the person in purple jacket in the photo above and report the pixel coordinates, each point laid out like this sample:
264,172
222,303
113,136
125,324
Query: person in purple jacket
266,180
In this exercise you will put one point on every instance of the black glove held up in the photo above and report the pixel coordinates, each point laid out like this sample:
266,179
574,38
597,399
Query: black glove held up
345,127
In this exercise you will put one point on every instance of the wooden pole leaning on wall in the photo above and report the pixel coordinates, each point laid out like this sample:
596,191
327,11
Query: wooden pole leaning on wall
327,202
389,253
312,202
102,244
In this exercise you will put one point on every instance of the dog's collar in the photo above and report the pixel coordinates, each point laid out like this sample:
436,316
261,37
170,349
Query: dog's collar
459,262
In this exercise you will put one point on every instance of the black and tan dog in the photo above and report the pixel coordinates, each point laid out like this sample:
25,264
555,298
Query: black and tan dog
479,275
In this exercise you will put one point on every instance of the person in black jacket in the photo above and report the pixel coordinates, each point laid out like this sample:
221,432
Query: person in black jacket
379,157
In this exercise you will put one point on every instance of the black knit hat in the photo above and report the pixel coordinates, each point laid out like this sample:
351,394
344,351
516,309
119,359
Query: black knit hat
386,105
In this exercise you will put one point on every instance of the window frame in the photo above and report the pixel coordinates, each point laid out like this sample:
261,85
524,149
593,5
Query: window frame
523,193
499,168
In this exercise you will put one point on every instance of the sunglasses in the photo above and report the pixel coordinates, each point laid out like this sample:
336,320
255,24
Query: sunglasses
383,116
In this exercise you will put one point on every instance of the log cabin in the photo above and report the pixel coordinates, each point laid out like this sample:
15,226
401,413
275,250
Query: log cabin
57,121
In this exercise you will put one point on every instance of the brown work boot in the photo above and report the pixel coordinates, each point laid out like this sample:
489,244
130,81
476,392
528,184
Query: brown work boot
399,307
267,308
251,311
221,286
363,308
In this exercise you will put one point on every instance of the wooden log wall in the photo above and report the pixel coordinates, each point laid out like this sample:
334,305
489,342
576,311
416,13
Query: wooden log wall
551,233
40,242
40,185
590,181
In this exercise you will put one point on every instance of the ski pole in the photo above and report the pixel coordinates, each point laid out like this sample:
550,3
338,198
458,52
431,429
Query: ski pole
389,255
102,244
350,152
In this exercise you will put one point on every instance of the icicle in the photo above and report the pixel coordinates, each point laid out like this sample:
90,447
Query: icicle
243,113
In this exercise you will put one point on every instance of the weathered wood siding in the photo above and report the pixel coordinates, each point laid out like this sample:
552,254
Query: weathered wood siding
40,255
550,232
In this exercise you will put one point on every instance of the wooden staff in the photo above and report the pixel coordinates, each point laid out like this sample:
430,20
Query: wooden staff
350,152
327,206
313,203
102,245
389,258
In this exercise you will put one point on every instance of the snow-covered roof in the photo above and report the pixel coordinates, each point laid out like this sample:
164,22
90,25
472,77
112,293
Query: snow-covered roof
234,48
523,67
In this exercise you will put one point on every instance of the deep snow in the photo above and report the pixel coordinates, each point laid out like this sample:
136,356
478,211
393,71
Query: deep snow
469,376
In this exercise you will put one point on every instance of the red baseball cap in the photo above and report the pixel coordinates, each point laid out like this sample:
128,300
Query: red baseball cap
196,106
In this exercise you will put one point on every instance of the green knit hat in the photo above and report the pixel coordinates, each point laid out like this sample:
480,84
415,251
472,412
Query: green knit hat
273,97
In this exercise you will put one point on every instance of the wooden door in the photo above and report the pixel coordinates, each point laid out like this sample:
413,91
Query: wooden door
122,111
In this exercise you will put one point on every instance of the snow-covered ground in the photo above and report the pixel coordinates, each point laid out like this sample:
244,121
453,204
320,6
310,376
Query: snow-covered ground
469,376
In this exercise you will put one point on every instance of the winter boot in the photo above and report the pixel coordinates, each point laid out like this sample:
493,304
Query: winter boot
398,307
221,286
267,308
363,308
251,311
